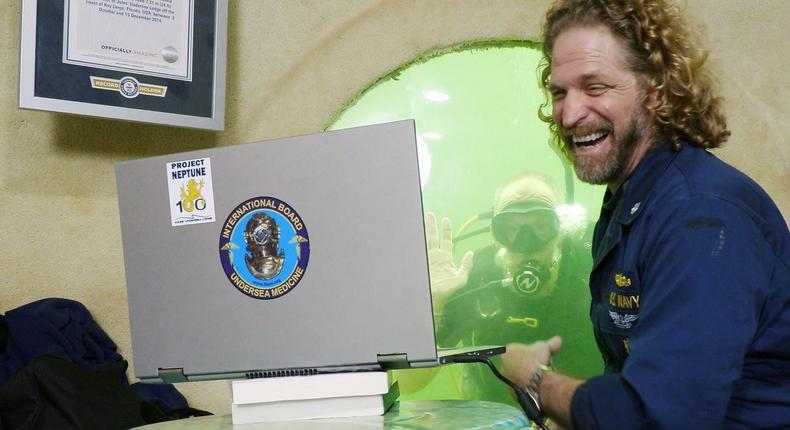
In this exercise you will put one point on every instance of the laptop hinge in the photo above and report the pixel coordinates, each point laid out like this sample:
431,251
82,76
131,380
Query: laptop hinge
171,375
393,360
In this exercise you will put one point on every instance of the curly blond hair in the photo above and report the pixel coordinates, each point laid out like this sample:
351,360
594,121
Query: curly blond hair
661,51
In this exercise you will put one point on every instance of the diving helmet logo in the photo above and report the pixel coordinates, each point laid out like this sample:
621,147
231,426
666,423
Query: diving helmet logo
264,248
264,259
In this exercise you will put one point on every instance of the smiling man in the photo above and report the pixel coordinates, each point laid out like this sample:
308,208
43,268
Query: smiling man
600,105
691,259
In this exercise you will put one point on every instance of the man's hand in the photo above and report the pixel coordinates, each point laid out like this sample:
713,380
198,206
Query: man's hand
521,361
446,278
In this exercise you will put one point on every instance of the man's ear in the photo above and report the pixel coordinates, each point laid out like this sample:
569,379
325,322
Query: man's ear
651,100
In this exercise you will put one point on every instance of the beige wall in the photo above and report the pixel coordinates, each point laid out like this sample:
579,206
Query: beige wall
291,64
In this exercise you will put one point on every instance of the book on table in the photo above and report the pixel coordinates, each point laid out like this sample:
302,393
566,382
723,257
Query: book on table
330,407
310,387
314,396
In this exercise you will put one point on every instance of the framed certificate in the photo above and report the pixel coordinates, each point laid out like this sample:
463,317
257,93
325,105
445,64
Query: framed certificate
156,61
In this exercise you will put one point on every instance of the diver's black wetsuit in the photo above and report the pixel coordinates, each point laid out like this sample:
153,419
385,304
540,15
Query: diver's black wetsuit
486,313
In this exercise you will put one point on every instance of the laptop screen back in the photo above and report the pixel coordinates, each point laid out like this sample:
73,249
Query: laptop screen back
314,256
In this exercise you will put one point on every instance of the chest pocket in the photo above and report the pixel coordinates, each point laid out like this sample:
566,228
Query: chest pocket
621,303
618,314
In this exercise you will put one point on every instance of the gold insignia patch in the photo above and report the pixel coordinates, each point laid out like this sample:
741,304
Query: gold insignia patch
621,280
627,345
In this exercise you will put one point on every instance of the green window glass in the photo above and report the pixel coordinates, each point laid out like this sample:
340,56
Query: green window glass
487,165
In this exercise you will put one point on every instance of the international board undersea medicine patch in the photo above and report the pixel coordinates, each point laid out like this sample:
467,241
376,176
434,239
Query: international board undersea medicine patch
264,248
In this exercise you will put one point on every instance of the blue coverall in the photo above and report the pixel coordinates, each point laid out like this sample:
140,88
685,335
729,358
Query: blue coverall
690,301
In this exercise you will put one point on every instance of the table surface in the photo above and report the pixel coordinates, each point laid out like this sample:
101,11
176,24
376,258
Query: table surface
412,415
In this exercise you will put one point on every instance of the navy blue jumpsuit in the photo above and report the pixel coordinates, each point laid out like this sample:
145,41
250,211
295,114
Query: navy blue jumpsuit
690,301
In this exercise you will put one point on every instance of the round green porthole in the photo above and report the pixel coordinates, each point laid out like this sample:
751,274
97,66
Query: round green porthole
475,107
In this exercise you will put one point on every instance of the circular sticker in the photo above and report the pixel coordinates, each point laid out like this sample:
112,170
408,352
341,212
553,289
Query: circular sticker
170,54
129,87
264,248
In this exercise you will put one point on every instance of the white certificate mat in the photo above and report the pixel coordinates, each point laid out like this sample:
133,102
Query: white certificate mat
149,37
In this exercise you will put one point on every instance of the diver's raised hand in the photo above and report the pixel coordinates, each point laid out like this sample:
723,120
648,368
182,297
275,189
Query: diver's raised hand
446,277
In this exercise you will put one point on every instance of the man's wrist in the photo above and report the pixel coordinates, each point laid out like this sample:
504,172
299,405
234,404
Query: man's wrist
535,379
556,391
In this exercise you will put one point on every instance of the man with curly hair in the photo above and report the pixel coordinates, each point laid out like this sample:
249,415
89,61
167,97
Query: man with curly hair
691,259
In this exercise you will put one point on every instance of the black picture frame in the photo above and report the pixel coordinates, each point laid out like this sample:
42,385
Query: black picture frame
48,83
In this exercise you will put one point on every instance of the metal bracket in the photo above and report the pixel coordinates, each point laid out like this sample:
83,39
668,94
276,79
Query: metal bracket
397,360
171,375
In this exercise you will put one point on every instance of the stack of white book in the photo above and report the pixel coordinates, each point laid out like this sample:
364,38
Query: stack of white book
330,395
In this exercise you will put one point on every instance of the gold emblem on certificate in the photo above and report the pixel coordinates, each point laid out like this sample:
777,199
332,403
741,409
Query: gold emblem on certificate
128,86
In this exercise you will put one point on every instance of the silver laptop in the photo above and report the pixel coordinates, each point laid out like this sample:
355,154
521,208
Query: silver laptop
293,256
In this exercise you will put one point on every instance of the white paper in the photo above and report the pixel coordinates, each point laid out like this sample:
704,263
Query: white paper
149,37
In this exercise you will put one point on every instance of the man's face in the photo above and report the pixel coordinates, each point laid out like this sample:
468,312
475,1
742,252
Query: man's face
597,105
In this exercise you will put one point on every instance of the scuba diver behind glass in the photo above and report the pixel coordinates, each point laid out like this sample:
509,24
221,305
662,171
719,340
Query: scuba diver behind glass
530,284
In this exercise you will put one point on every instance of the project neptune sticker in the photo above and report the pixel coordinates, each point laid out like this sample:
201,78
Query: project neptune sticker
264,248
191,192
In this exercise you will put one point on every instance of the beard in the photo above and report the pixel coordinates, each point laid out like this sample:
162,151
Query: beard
593,170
